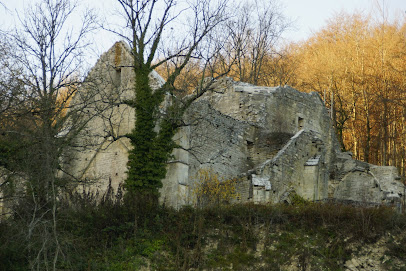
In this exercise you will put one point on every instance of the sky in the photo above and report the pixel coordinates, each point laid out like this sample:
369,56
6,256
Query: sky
311,15
308,16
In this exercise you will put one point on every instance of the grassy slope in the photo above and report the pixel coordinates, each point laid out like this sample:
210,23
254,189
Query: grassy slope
305,236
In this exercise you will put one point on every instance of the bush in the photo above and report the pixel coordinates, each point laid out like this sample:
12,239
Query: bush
211,190
98,234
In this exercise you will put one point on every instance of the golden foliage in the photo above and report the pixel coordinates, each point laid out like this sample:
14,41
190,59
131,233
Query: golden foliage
358,65
211,190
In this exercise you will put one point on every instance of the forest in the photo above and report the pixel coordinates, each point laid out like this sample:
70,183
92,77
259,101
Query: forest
356,62
50,221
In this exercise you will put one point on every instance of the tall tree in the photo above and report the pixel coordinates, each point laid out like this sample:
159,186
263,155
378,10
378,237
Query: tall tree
358,65
254,31
47,52
150,25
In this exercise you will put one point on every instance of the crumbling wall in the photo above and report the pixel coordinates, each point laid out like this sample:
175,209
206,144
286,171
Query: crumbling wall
216,141
362,182
264,145
223,145
275,109
100,152
286,170
234,130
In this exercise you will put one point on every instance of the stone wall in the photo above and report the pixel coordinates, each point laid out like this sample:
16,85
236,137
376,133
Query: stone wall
286,171
276,141
362,182
216,141
236,127
100,152
276,109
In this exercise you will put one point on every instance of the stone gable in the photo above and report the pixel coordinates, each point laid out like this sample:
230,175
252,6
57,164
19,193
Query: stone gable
276,141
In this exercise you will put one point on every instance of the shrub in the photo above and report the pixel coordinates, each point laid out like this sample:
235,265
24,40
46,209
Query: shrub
212,190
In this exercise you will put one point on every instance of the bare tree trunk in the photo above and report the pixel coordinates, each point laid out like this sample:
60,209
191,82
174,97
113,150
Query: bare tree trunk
367,145
385,133
50,75
354,132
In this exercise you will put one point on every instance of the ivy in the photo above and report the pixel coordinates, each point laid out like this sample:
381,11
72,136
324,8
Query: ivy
151,149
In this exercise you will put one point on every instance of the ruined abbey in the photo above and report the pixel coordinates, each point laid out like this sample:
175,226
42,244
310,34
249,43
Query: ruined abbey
276,141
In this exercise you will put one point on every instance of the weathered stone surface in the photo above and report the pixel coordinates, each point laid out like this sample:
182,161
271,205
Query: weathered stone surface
100,152
362,182
276,141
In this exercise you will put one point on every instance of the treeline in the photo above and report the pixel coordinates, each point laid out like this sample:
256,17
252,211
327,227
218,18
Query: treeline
357,63
47,100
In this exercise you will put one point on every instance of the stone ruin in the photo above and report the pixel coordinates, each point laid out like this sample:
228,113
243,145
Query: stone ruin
276,141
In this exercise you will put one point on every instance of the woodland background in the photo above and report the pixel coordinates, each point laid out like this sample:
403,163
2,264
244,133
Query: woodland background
357,63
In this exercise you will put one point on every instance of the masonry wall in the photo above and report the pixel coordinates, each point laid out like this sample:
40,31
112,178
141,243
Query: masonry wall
100,153
234,129
362,182
309,185
175,191
286,171
216,142
276,109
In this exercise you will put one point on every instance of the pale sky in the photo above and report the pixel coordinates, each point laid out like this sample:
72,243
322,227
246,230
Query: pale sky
309,16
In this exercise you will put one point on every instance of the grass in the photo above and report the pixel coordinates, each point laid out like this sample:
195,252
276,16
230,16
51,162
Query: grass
102,236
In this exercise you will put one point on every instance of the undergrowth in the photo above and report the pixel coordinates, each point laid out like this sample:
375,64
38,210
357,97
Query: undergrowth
101,235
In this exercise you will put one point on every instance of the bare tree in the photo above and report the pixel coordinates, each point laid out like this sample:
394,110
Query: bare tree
152,31
48,53
254,32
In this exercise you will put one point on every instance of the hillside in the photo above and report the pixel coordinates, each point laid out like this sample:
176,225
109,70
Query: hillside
302,236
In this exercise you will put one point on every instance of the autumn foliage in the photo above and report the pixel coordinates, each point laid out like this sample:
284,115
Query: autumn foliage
212,190
358,65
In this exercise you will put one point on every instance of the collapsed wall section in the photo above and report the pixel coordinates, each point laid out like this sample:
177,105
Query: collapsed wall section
275,109
217,142
297,168
357,181
223,145
210,141
236,127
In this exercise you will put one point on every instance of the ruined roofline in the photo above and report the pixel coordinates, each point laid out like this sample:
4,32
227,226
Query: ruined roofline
238,87
124,45
244,87
153,74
